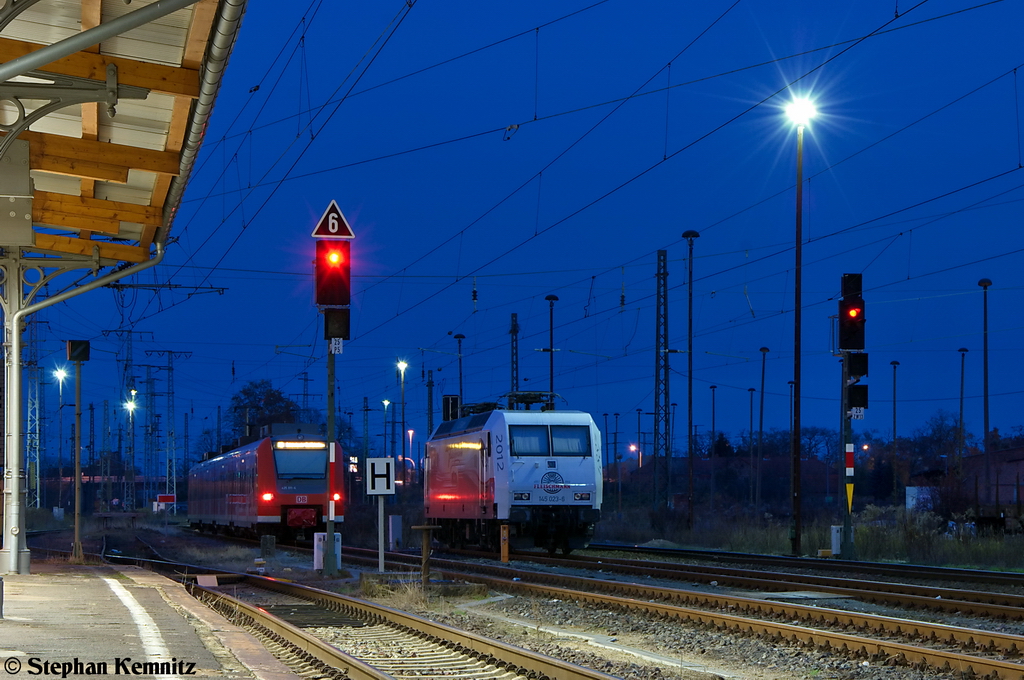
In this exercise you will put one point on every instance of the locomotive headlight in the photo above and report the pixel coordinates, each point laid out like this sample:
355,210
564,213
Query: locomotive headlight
337,496
267,497
520,496
585,496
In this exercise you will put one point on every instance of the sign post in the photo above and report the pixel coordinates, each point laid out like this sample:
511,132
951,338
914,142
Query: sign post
380,482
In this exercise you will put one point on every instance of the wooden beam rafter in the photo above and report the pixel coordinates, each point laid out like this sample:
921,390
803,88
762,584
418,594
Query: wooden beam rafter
172,80
117,252
92,159
90,214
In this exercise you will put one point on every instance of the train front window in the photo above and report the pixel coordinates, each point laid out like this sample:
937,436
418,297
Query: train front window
529,440
301,464
570,440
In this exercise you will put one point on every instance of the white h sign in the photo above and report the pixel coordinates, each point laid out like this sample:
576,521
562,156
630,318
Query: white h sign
380,476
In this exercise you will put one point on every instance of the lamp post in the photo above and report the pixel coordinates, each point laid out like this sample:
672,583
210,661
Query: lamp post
711,451
129,473
895,458
401,463
459,337
410,433
800,111
386,404
985,283
60,374
689,235
552,299
760,430
960,438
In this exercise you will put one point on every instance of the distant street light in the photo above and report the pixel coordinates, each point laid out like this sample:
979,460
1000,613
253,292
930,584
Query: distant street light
800,111
459,337
386,404
60,374
689,235
985,283
401,370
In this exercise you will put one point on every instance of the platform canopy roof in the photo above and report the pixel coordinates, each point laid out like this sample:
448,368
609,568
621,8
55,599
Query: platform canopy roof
107,188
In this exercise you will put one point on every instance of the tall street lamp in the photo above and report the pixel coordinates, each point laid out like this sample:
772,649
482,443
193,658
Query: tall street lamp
129,473
760,430
459,337
552,299
689,235
401,370
985,283
960,438
386,404
60,374
800,111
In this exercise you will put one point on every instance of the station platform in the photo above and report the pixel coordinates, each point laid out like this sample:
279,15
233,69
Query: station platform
67,620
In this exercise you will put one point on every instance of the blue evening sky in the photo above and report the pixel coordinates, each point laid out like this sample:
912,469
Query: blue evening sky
488,155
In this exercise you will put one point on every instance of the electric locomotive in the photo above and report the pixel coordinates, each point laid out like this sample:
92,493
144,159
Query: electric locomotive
539,472
278,483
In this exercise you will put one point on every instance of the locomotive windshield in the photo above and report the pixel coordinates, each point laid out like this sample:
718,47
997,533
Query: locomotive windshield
529,440
301,464
570,440
558,440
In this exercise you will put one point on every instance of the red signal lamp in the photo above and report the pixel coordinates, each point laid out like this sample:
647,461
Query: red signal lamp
332,272
851,323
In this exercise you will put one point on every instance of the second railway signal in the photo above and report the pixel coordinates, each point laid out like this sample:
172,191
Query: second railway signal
851,323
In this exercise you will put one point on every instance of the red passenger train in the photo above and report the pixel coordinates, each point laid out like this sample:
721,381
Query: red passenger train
277,484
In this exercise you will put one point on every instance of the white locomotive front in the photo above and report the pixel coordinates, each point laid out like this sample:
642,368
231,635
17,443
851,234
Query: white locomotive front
537,471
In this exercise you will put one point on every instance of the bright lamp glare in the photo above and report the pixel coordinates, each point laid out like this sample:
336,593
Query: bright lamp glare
800,111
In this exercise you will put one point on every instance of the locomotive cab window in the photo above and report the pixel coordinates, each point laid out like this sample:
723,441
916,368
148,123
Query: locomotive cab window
301,464
529,440
570,440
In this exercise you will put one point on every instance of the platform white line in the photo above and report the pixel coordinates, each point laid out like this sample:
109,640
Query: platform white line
149,633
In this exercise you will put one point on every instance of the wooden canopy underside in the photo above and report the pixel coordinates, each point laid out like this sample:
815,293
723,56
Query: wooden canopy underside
103,190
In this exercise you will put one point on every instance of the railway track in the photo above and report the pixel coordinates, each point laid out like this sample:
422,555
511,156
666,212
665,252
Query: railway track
359,639
886,638
882,639
845,567
957,600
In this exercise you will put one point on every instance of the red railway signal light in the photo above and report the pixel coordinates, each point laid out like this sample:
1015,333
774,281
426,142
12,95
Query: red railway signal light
851,323
332,271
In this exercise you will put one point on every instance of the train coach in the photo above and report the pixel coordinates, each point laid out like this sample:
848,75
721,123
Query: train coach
539,472
280,484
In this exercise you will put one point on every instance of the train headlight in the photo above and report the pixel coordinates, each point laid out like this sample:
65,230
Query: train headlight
267,497
585,496
337,496
520,496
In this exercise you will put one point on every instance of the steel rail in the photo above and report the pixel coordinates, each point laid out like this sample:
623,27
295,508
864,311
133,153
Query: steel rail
892,652
943,601
832,564
741,577
1005,643
317,653
498,653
